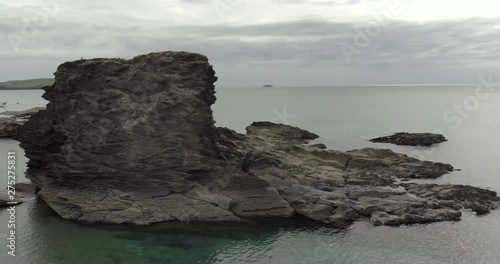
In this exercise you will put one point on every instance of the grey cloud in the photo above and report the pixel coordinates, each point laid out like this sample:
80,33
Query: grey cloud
321,2
304,48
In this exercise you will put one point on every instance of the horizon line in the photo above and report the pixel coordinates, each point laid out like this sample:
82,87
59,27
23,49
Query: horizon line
360,85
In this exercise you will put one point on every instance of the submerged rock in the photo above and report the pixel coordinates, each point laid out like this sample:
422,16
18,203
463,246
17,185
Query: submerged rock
5,200
23,114
134,141
320,146
9,126
20,192
25,187
412,139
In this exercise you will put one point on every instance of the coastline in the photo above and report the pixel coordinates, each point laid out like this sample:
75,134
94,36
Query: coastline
65,241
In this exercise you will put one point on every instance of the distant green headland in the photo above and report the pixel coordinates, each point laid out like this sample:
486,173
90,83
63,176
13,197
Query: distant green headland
26,84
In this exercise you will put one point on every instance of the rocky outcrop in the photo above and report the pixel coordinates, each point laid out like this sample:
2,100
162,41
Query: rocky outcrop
9,126
277,131
23,114
134,141
15,119
412,139
340,187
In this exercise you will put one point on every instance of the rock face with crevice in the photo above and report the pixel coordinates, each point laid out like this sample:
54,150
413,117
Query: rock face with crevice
134,141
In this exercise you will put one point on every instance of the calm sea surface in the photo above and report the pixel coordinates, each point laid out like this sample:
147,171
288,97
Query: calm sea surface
345,117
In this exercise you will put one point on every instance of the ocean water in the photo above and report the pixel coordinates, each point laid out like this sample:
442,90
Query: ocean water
345,118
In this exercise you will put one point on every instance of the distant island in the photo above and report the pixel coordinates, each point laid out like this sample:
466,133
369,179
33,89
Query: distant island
267,85
26,84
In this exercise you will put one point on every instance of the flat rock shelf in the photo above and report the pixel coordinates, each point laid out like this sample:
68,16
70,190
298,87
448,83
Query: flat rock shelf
411,139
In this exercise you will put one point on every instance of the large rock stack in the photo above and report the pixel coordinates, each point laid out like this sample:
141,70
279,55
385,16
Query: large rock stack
134,141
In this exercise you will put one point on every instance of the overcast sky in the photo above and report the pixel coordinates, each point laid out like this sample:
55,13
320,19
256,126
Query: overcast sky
255,42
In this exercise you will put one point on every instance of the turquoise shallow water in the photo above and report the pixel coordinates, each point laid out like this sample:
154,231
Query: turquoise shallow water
345,117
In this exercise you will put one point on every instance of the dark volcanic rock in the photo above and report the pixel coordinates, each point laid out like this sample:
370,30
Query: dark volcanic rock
412,139
134,141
